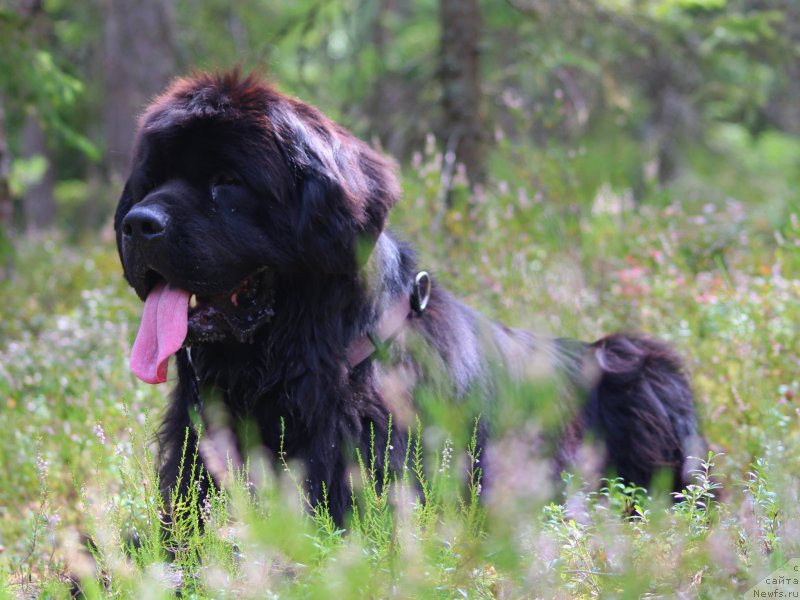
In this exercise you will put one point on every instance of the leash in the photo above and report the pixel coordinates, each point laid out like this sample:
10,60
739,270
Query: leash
378,340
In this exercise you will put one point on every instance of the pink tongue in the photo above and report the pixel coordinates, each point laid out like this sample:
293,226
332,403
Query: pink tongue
161,332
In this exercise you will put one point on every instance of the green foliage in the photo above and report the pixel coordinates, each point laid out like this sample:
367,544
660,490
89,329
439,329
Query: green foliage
760,488
26,172
696,503
34,81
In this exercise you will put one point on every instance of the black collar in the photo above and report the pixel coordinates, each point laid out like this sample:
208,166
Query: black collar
391,322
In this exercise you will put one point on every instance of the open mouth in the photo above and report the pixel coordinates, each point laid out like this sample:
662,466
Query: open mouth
174,317
239,312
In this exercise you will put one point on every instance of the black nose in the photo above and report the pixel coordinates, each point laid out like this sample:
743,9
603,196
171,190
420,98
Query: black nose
145,223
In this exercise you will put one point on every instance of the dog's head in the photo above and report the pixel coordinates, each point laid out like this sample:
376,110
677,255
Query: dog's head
232,185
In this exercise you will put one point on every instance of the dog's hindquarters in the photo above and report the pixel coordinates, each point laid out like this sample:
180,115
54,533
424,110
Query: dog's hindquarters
627,396
642,408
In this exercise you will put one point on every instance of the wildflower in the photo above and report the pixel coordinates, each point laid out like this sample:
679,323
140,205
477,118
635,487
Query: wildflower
98,431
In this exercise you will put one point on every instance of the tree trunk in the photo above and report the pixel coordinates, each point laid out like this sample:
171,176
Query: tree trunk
672,118
783,110
6,208
460,22
392,98
139,60
39,203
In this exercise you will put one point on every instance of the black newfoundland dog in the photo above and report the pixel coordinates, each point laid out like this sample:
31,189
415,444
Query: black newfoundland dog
253,229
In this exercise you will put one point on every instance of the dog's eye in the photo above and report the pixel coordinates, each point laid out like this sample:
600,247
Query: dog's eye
225,179
222,180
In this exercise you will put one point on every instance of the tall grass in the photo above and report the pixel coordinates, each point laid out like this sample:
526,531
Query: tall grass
712,275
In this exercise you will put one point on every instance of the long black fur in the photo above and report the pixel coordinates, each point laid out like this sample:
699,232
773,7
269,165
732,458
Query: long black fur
310,202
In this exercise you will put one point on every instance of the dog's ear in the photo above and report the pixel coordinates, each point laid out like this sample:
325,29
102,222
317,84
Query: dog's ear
346,191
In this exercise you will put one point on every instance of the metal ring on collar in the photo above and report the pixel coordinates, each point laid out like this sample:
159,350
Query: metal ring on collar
421,292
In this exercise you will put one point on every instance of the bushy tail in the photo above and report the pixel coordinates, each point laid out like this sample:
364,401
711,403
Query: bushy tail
642,406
